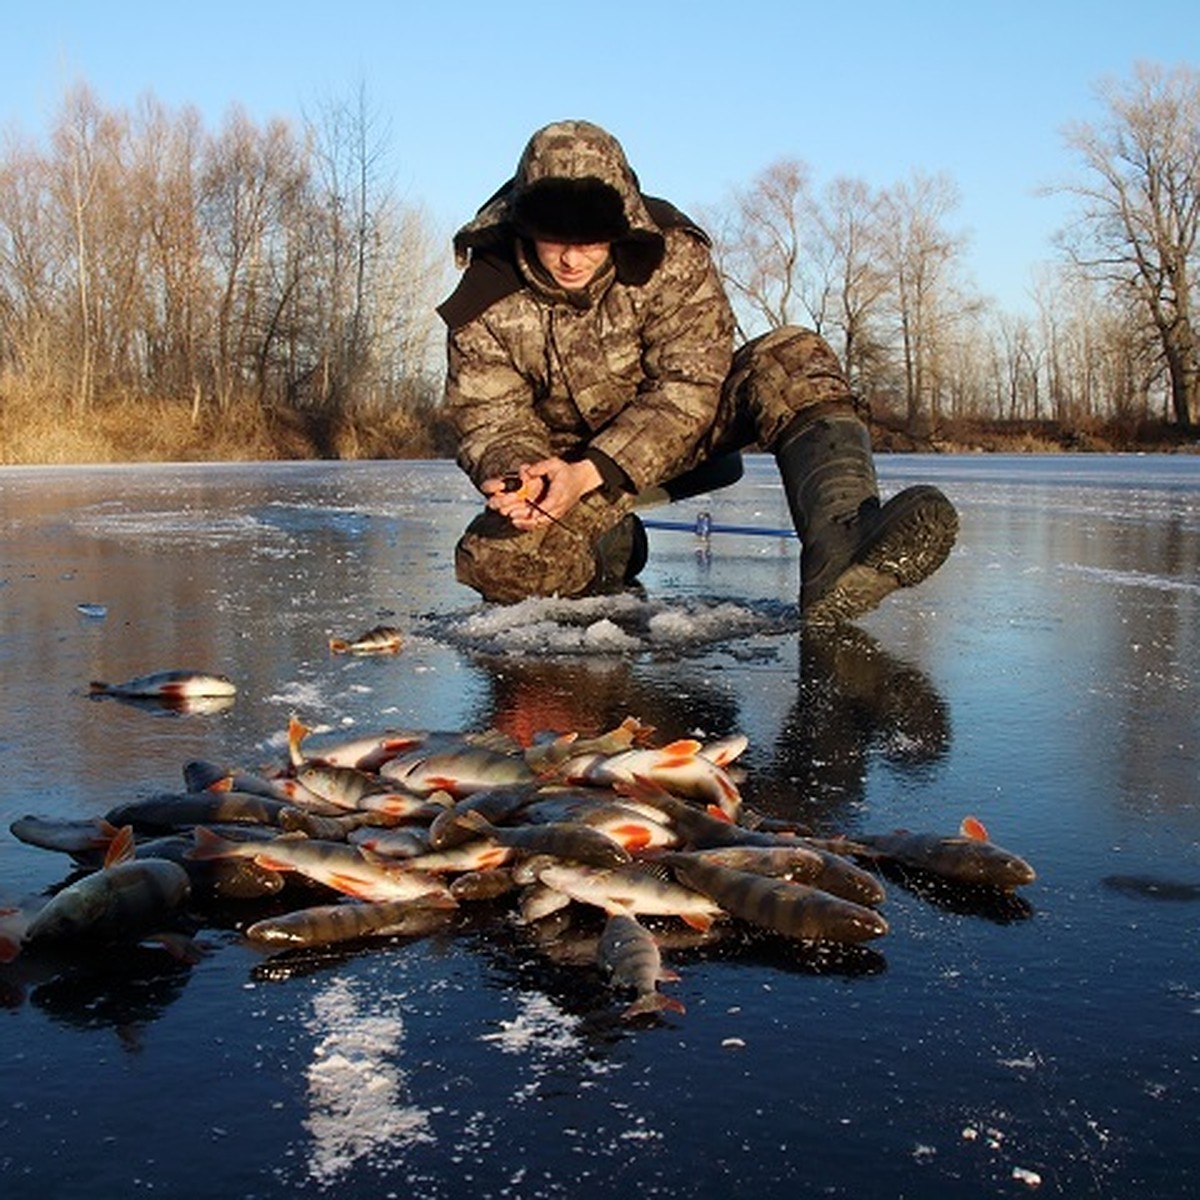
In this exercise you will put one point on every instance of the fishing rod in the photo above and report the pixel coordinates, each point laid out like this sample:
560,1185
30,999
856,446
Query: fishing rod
704,526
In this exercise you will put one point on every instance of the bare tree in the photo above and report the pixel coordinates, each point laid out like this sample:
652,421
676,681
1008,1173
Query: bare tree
760,249
33,267
78,139
1138,223
167,152
920,256
846,250
248,180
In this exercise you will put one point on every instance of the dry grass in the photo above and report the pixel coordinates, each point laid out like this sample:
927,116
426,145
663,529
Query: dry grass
39,428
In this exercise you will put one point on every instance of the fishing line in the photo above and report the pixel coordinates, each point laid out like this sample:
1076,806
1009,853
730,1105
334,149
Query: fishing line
513,483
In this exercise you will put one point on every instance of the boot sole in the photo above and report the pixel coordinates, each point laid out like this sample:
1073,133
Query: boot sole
916,542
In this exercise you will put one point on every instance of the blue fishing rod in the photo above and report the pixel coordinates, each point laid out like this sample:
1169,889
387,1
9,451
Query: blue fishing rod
711,475
704,526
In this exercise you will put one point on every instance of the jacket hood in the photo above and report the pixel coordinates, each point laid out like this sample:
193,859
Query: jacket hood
572,183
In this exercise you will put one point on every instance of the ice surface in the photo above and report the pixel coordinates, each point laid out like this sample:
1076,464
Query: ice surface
1044,680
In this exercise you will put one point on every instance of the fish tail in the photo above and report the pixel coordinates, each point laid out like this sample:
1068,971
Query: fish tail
653,1002
98,687
297,732
338,645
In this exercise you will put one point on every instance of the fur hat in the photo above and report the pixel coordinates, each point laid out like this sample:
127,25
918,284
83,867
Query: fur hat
582,211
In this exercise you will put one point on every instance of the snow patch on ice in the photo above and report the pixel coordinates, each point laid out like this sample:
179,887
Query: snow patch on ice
620,624
540,1025
356,1090
175,526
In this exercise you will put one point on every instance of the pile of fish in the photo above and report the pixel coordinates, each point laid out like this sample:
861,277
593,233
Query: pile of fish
394,833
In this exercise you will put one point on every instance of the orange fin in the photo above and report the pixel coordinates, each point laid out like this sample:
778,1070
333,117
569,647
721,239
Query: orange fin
972,827
121,848
632,837
297,732
697,921
688,746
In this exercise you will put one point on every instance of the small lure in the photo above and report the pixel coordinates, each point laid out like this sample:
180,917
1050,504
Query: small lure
524,491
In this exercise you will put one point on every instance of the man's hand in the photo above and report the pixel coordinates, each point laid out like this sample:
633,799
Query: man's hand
547,491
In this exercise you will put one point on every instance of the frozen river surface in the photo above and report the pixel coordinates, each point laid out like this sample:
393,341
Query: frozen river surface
1045,681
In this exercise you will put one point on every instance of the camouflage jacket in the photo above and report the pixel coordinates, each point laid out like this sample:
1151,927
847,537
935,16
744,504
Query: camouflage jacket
629,369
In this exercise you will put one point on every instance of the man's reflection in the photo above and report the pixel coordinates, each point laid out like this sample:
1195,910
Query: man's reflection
532,697
854,700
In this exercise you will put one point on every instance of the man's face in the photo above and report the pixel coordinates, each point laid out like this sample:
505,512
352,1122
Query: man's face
570,264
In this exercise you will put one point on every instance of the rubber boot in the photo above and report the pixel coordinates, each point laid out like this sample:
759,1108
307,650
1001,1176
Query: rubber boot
855,550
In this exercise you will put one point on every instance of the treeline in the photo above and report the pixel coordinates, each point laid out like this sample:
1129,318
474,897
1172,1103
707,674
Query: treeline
168,291
880,272
261,284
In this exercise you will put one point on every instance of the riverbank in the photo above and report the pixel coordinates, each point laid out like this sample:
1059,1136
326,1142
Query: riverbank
139,430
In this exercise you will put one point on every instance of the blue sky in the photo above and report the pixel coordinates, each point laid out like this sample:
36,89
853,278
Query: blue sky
703,96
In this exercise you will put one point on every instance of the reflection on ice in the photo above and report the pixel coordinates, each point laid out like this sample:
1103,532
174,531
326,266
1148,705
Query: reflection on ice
1162,583
357,1091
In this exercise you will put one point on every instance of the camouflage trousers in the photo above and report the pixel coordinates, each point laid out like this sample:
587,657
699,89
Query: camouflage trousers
773,380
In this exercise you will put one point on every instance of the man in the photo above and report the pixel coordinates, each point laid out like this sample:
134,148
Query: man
590,362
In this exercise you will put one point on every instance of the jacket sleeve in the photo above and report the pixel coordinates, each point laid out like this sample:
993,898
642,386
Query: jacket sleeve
687,350
490,405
